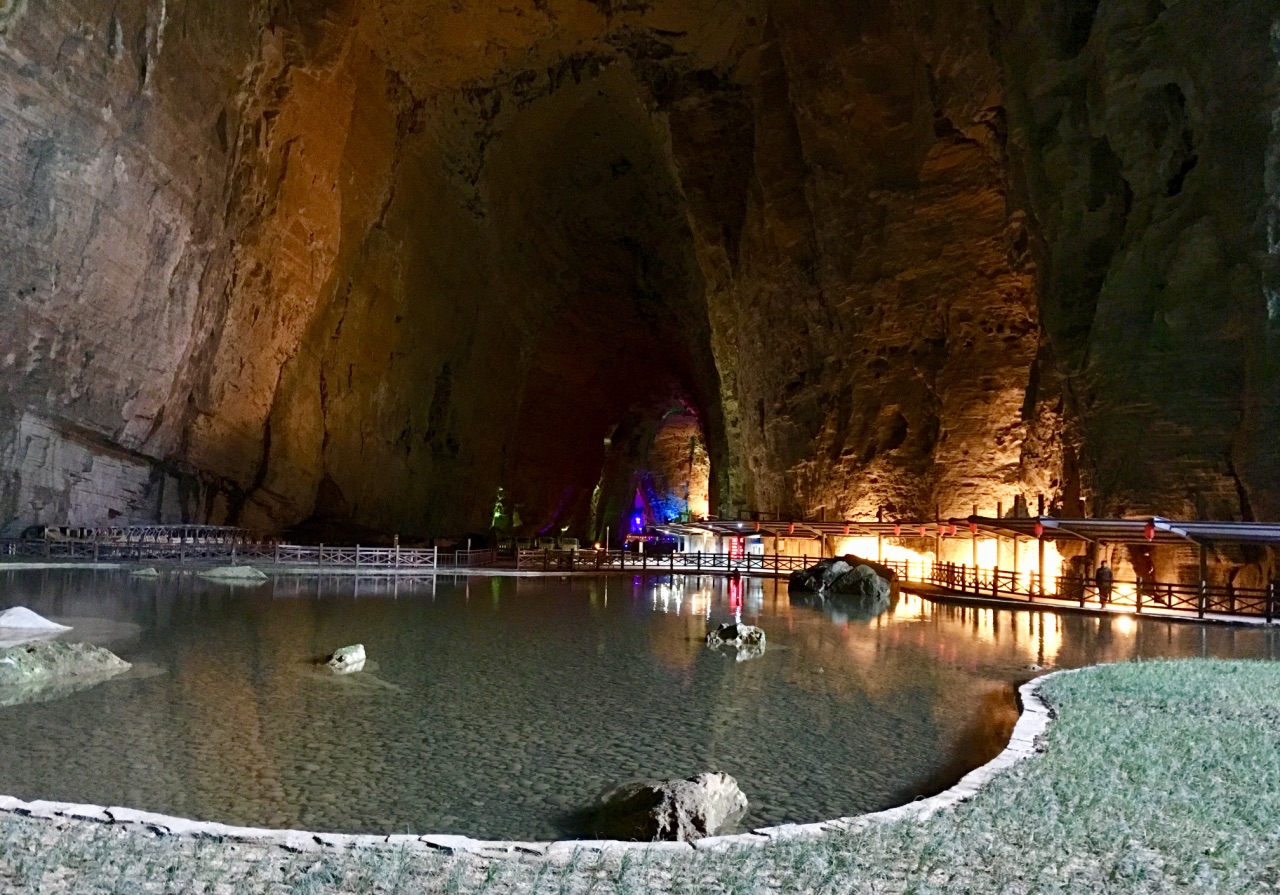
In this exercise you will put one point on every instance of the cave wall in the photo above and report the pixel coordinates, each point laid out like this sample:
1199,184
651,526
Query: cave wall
1144,134
367,261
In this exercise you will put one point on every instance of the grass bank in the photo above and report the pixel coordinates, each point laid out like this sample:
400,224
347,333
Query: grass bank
1159,777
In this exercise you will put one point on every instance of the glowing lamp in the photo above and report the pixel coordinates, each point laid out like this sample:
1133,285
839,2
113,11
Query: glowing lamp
1039,530
1150,531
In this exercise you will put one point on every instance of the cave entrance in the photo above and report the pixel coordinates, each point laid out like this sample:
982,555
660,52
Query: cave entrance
619,393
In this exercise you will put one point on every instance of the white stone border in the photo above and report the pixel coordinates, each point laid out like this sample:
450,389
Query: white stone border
1023,744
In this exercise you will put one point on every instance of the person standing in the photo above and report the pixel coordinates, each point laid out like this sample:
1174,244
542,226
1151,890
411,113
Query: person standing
1103,579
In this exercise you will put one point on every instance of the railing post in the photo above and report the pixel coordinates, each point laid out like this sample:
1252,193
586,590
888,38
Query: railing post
546,558
1202,598
699,560
623,559
1084,589
435,557
995,582
1271,601
357,556
1138,596
672,566
644,560
573,555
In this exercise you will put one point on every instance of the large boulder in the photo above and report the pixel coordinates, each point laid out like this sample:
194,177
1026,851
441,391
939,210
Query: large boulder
848,586
347,660
38,672
671,810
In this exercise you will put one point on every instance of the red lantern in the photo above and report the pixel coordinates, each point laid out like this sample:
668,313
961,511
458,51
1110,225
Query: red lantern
757,526
953,530
791,529
1150,531
1039,530
973,528
846,528
897,531
922,531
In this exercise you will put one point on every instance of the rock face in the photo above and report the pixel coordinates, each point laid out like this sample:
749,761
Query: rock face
347,660
370,261
672,811
23,618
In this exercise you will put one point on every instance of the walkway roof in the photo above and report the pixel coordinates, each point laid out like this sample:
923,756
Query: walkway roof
1163,532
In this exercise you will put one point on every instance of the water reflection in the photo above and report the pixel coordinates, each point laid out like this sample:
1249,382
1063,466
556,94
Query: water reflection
510,703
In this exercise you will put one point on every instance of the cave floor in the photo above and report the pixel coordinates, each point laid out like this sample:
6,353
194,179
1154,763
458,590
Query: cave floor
1156,777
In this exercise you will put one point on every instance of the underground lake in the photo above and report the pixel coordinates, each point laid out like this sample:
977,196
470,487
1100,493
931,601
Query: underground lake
504,707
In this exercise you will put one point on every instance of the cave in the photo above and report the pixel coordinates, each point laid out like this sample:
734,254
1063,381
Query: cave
366,268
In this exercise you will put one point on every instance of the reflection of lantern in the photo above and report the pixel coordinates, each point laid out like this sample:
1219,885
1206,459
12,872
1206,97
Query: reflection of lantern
1150,531
1039,530
973,528
897,531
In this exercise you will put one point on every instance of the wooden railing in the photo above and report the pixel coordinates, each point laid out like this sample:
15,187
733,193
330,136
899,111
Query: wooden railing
626,560
247,552
1140,595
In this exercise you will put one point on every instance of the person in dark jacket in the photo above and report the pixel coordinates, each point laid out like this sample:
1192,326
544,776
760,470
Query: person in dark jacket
1103,579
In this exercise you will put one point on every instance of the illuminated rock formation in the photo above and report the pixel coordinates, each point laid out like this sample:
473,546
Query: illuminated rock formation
369,261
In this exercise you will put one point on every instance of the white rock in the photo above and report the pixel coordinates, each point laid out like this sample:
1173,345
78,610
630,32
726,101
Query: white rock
21,617
234,573
347,660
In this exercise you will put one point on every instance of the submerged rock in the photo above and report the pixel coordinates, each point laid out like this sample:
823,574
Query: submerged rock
37,672
245,574
347,660
748,640
671,810
23,618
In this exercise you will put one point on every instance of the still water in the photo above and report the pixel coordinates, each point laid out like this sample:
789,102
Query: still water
501,707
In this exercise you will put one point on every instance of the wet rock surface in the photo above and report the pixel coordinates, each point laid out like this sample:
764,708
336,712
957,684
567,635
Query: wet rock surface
235,574
673,810
347,660
45,670
746,641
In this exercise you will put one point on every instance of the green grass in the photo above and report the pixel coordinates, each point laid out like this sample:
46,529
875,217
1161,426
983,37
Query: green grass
1160,777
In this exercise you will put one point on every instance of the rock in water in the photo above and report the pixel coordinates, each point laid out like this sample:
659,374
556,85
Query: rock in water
53,660
235,574
846,577
748,640
24,618
146,573
672,810
347,660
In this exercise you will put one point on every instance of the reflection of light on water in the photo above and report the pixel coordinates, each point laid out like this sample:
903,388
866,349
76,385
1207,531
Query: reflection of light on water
1125,625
